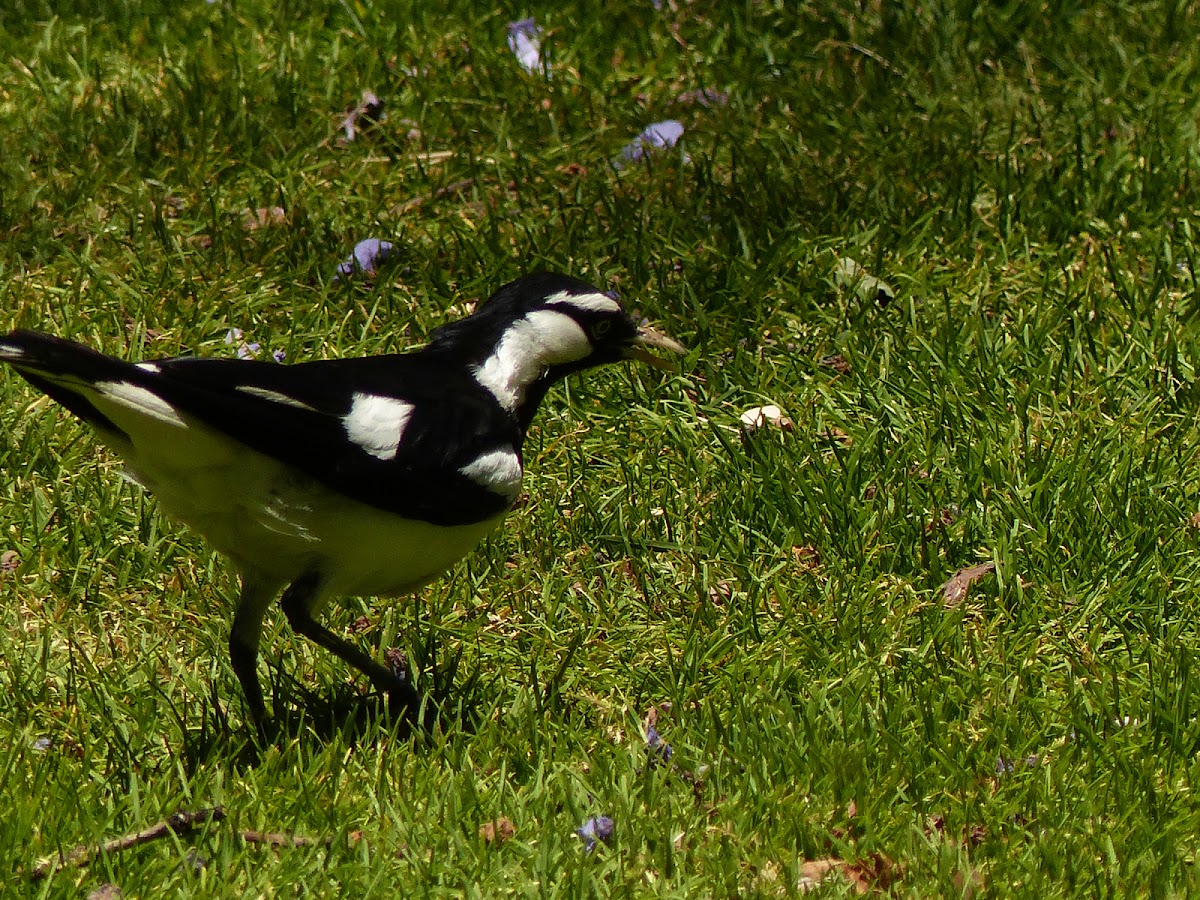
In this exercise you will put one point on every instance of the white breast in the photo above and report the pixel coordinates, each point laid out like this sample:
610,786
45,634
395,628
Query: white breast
274,519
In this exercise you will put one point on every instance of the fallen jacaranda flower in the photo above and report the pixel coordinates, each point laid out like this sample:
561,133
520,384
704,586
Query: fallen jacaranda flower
524,39
368,255
597,828
248,349
369,110
657,750
659,136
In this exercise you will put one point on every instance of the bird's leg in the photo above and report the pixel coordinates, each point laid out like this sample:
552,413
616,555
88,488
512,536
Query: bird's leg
297,603
257,593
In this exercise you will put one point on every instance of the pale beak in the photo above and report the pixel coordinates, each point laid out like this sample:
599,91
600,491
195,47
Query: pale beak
648,337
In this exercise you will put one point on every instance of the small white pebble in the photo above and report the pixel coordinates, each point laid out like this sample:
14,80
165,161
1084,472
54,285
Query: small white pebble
757,417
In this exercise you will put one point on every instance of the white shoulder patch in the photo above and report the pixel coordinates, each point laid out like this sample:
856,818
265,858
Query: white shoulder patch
497,470
377,424
150,367
140,400
530,345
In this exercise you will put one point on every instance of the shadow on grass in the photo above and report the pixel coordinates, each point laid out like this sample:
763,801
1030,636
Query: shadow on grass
313,718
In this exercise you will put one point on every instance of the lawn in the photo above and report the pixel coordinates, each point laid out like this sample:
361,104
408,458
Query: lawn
955,244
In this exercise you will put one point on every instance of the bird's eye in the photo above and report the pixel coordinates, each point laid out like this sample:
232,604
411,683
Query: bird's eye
601,328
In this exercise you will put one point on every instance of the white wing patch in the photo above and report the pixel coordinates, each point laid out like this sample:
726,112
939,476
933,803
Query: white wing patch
497,470
150,367
8,351
140,400
274,396
530,345
377,424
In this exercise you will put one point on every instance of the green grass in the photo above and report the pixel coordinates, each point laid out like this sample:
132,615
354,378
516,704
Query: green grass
1023,175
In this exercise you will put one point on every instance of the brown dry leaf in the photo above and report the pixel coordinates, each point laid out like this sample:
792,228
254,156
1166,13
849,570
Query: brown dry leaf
954,591
807,557
1194,521
974,835
133,327
835,435
497,831
816,871
945,517
837,362
720,593
572,168
9,561
359,625
106,891
766,879
968,883
264,216
872,873
650,720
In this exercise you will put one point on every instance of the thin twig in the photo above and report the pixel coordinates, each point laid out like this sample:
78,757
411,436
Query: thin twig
275,839
454,187
180,823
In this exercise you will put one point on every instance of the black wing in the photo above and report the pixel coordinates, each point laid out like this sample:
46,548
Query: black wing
297,415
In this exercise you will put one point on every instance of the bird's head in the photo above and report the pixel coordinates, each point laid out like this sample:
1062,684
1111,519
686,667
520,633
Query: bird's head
543,327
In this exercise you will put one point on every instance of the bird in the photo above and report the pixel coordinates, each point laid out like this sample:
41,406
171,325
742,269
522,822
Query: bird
366,476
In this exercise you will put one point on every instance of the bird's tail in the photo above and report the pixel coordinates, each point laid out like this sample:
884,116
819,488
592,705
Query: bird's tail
65,371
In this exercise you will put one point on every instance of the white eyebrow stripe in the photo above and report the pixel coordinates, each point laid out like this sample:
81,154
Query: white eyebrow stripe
497,470
140,400
274,397
589,302
376,424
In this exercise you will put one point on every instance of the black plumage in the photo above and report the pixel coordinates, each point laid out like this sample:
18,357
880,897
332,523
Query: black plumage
347,476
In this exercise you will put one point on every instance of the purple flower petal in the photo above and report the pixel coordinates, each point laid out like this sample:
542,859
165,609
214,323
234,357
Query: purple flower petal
280,355
367,257
658,136
524,39
370,110
658,750
597,828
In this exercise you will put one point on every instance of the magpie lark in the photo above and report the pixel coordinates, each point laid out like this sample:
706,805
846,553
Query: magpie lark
342,477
